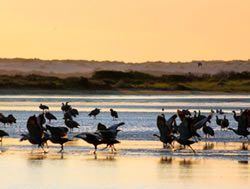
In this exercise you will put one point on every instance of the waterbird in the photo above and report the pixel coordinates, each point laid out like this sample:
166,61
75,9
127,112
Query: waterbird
94,112
65,107
50,116
113,113
242,125
11,119
236,117
223,123
208,131
91,138
36,134
43,107
71,124
165,129
74,112
2,134
58,135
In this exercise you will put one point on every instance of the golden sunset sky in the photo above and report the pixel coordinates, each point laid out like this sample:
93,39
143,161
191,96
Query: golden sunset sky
126,30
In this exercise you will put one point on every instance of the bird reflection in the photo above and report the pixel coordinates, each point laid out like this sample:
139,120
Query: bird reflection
186,162
243,162
166,160
208,146
244,146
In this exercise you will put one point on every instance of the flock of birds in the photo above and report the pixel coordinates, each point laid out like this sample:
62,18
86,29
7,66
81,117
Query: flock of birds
185,133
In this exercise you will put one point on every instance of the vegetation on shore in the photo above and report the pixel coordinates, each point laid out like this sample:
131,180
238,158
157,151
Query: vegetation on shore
117,80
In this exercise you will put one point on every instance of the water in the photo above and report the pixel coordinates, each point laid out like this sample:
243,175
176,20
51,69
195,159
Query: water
139,112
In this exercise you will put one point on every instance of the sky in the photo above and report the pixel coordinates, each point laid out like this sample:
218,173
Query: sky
125,30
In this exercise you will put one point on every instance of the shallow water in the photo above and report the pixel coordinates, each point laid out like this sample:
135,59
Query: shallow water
139,112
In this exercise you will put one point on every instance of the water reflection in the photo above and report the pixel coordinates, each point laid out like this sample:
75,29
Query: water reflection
166,160
208,146
244,146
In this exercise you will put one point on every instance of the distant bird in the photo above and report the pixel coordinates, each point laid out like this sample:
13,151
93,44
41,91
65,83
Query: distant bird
91,138
43,107
223,123
74,112
71,124
236,117
58,135
219,111
65,107
11,119
3,119
243,125
208,131
2,134
67,115
50,116
199,64
94,113
113,113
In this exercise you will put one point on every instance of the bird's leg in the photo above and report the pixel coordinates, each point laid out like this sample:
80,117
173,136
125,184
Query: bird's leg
95,149
105,148
1,141
61,149
114,148
191,149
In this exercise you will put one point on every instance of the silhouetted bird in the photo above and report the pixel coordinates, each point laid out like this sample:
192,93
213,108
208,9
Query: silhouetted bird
11,119
242,124
94,112
165,129
208,131
58,135
36,134
74,112
43,107
2,134
113,113
67,115
236,117
50,116
223,123
71,124
91,138
65,107
3,119
41,119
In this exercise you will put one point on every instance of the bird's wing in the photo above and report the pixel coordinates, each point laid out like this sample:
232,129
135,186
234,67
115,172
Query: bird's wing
115,126
184,130
200,123
163,128
34,128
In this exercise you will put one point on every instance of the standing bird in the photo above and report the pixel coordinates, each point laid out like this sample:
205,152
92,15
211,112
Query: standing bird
43,107
236,117
91,138
71,124
223,123
58,135
50,116
113,113
2,134
65,107
94,112
74,112
208,131
11,119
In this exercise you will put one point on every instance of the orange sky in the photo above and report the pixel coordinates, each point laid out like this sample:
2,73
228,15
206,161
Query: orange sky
127,30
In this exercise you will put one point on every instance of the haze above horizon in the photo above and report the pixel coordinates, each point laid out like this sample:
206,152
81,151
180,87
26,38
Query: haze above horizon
126,30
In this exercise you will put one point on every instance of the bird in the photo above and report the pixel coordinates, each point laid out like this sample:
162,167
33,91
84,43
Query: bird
113,113
94,112
43,107
65,107
11,119
71,124
41,119
74,112
91,138
58,135
208,131
50,116
236,117
109,134
242,125
223,123
165,129
36,134
2,134
3,119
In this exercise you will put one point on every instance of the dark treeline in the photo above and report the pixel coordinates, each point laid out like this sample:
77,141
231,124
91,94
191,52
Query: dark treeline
232,81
